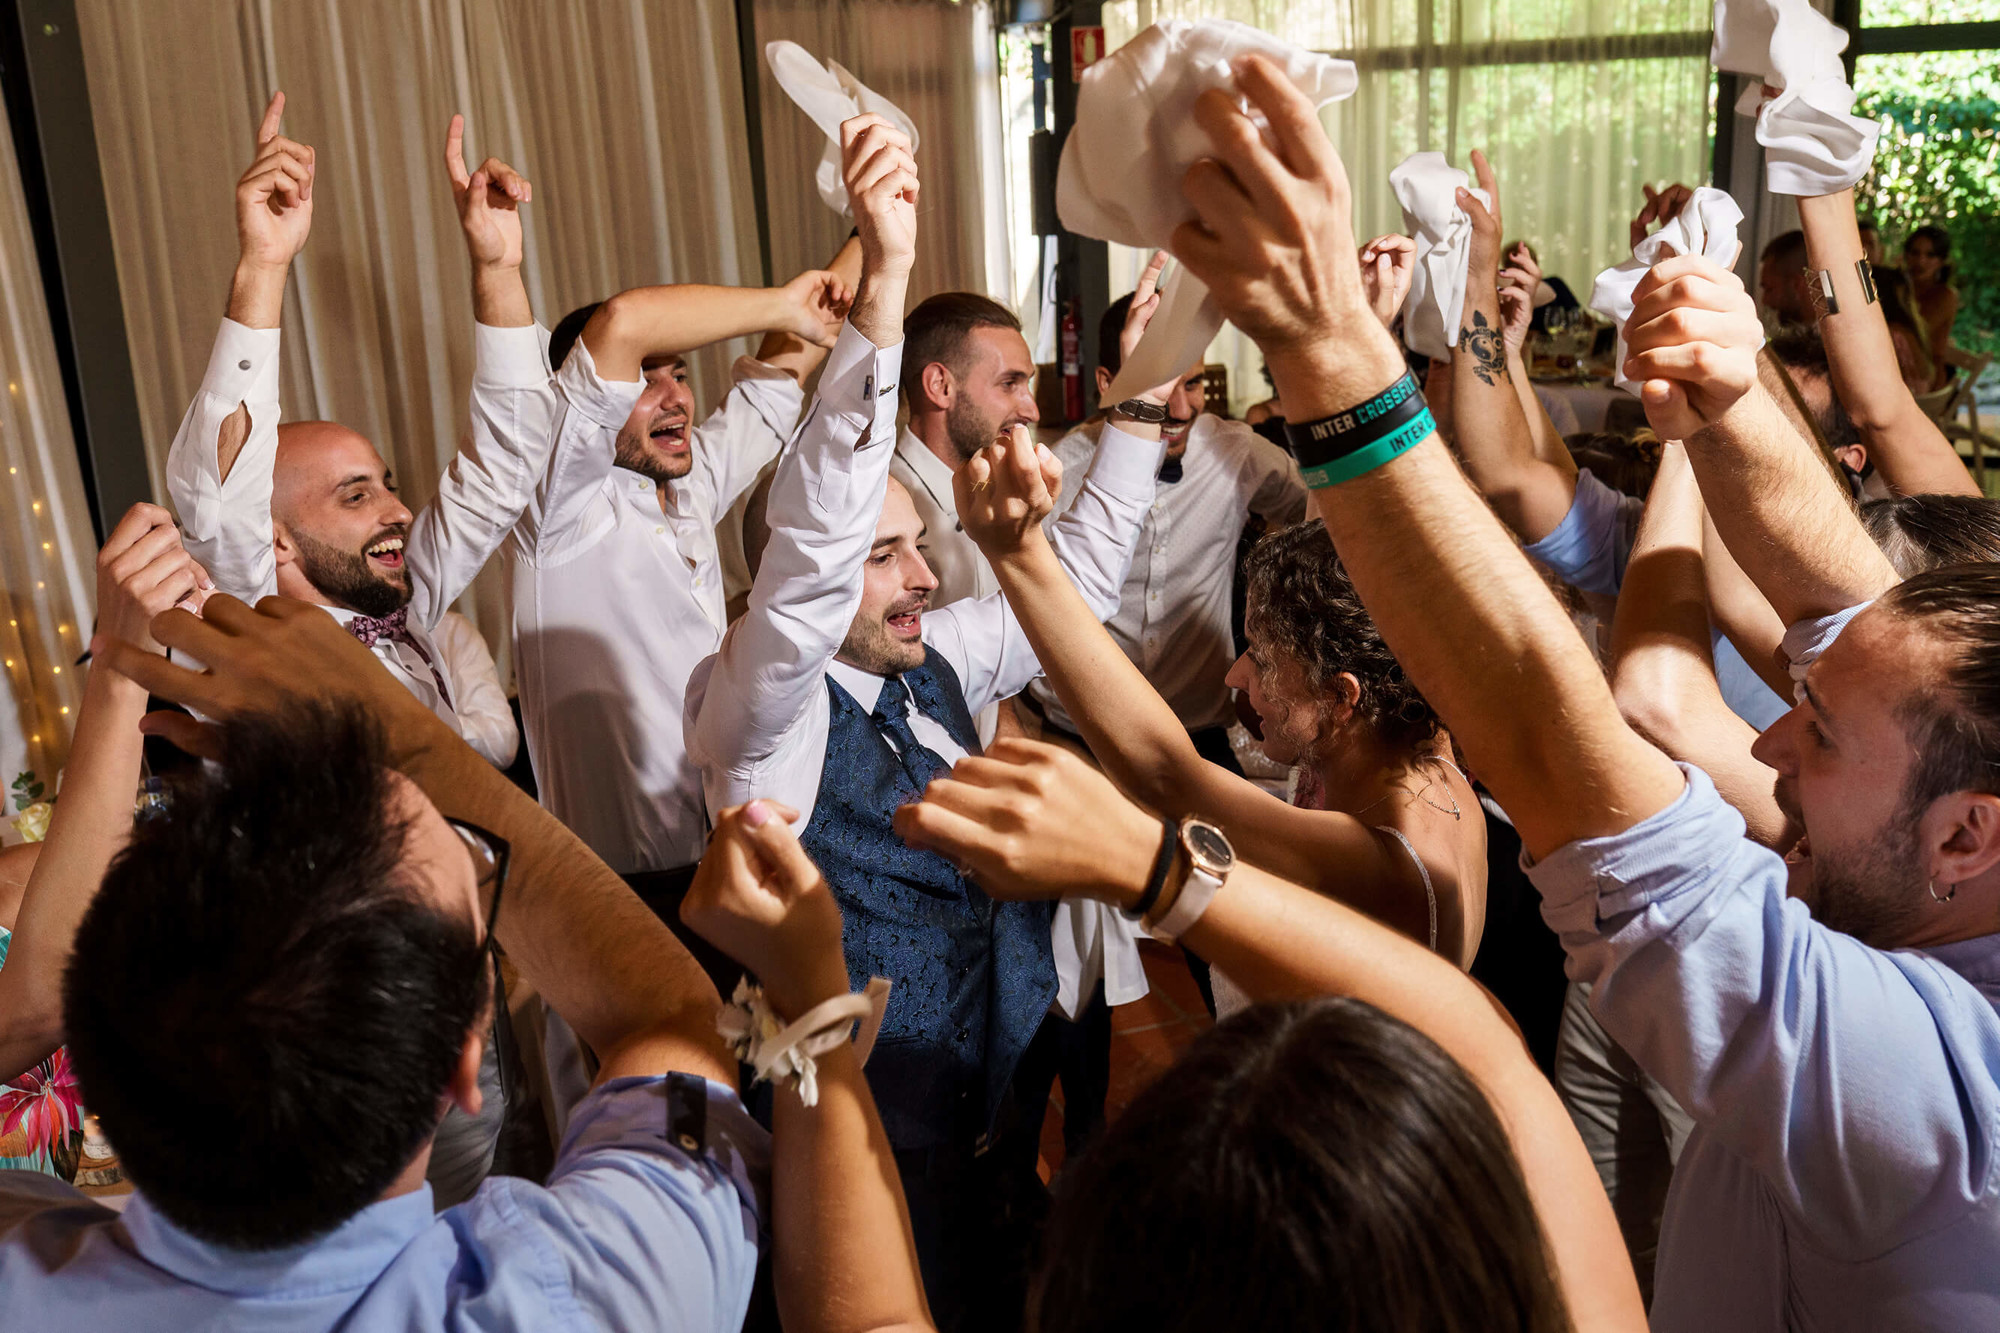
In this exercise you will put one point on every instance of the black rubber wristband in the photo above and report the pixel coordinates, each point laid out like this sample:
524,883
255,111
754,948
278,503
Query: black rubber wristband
1336,436
1163,864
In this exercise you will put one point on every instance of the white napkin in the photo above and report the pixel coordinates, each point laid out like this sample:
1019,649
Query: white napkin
829,95
1427,187
1812,144
1706,226
1135,138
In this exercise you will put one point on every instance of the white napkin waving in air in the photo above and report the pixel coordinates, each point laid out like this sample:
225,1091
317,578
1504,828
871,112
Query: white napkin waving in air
1427,187
1135,138
1813,145
1706,226
828,95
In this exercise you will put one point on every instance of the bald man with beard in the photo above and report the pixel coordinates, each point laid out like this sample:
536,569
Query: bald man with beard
309,510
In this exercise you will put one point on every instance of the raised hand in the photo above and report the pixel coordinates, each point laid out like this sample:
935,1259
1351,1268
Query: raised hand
815,305
258,661
274,196
1387,264
1005,491
1272,239
1032,821
759,898
1692,340
143,570
1520,276
1662,206
881,177
489,203
1482,260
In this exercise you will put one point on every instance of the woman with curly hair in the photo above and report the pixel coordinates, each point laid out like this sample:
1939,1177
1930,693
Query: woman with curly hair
1384,820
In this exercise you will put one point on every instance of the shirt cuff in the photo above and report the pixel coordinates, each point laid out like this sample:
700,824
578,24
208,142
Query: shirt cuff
1593,881
859,374
1805,641
243,366
606,402
510,357
1126,465
681,1112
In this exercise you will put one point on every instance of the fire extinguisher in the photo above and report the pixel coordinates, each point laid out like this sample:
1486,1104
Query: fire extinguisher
1072,362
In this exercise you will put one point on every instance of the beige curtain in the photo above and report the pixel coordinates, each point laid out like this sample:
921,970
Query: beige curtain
1577,103
47,551
936,60
626,115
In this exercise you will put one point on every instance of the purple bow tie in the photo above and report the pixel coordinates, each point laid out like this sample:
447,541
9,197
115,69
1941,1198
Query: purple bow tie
368,629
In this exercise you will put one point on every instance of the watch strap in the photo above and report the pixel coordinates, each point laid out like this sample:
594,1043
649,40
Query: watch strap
1198,890
1163,864
1138,409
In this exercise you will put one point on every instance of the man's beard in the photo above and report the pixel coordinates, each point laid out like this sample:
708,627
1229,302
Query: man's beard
970,430
1870,891
870,646
345,578
638,455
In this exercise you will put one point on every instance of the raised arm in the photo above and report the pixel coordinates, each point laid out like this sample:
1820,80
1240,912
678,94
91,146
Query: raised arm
826,499
1662,668
798,356
1493,437
659,321
1692,339
595,953
219,470
1033,821
1473,626
1519,278
1905,445
1132,731
491,480
844,1257
141,571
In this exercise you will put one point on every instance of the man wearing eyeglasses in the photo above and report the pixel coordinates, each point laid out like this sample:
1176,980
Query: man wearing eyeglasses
284,982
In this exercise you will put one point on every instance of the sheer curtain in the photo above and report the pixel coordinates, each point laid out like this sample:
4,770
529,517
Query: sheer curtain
939,62
1576,102
627,116
47,551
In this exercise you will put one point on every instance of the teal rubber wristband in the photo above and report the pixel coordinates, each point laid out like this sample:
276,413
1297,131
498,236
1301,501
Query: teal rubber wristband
1371,456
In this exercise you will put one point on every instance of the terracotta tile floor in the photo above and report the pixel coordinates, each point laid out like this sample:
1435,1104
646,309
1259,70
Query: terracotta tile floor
1146,1037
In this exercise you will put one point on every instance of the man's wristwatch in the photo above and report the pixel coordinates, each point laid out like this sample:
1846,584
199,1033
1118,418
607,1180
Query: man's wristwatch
1141,409
1209,859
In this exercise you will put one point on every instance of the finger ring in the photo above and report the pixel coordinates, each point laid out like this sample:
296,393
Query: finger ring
981,484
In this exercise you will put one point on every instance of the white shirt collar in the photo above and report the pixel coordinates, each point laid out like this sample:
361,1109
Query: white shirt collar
865,686
930,469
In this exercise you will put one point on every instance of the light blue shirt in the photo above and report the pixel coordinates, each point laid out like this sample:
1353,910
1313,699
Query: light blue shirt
1589,550
633,1231
1841,1174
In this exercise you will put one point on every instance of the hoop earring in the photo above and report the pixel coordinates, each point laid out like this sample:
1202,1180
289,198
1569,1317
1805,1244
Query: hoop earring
1950,892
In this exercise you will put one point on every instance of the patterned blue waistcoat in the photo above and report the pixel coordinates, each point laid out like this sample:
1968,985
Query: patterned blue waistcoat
973,978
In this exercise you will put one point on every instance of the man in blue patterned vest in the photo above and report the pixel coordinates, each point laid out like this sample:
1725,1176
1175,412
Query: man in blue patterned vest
838,697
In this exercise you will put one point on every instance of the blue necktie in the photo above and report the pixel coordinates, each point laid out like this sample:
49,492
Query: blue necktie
892,715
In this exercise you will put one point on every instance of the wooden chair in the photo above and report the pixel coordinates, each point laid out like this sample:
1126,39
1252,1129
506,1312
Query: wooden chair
1944,405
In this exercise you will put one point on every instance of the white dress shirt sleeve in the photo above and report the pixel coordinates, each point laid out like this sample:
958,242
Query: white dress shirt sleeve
490,481
226,523
732,446
1271,478
568,510
746,705
983,640
485,720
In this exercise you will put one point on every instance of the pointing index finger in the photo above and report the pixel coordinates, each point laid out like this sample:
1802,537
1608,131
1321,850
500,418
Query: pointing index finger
454,152
274,111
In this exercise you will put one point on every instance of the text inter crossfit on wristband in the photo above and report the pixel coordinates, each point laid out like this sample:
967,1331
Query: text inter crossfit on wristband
1361,438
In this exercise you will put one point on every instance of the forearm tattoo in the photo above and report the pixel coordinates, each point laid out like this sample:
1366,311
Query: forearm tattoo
1481,341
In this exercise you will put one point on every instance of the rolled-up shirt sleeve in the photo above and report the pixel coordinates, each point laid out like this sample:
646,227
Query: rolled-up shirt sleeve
226,522
1860,1084
1591,546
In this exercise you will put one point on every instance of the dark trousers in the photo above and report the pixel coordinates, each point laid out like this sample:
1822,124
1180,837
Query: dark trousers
977,1216
1079,1053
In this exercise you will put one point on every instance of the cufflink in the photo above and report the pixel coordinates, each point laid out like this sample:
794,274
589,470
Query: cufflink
243,364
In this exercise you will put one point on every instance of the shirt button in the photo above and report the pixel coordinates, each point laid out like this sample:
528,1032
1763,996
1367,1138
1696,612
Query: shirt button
659,529
243,365
690,1143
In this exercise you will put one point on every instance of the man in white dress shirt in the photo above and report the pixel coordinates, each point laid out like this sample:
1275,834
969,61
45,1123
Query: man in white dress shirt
617,580
969,378
838,696
307,510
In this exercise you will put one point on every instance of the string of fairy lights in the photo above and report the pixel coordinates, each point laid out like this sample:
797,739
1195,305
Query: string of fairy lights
40,668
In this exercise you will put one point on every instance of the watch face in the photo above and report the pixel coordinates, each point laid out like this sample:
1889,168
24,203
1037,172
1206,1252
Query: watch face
1210,850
